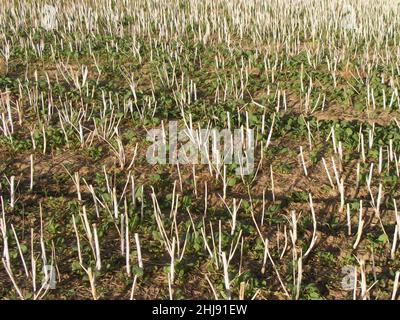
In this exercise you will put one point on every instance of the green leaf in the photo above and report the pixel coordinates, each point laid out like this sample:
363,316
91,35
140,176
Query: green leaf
231,182
137,271
383,238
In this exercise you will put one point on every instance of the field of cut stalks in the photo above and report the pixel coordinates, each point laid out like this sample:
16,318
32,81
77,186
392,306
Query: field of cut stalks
281,182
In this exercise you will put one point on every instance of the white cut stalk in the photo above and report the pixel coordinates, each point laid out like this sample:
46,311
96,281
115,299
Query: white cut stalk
31,167
340,152
180,177
170,287
263,208
226,276
194,180
272,184
303,162
6,253
20,251
360,227
336,173
172,265
174,198
394,243
10,275
44,140
341,190
364,291
397,216
205,199
391,149
395,285
276,270
327,173
333,140
133,287
33,264
92,279
207,247
127,246
270,132
44,258
241,256
219,238
115,203
314,220
122,235
242,288
224,183
77,240
12,191
97,247
139,252
233,247
264,258
88,230
348,219
234,215
212,287
299,275
77,185
309,134
285,244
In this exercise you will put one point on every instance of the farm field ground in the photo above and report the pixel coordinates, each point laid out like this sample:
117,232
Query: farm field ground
305,94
